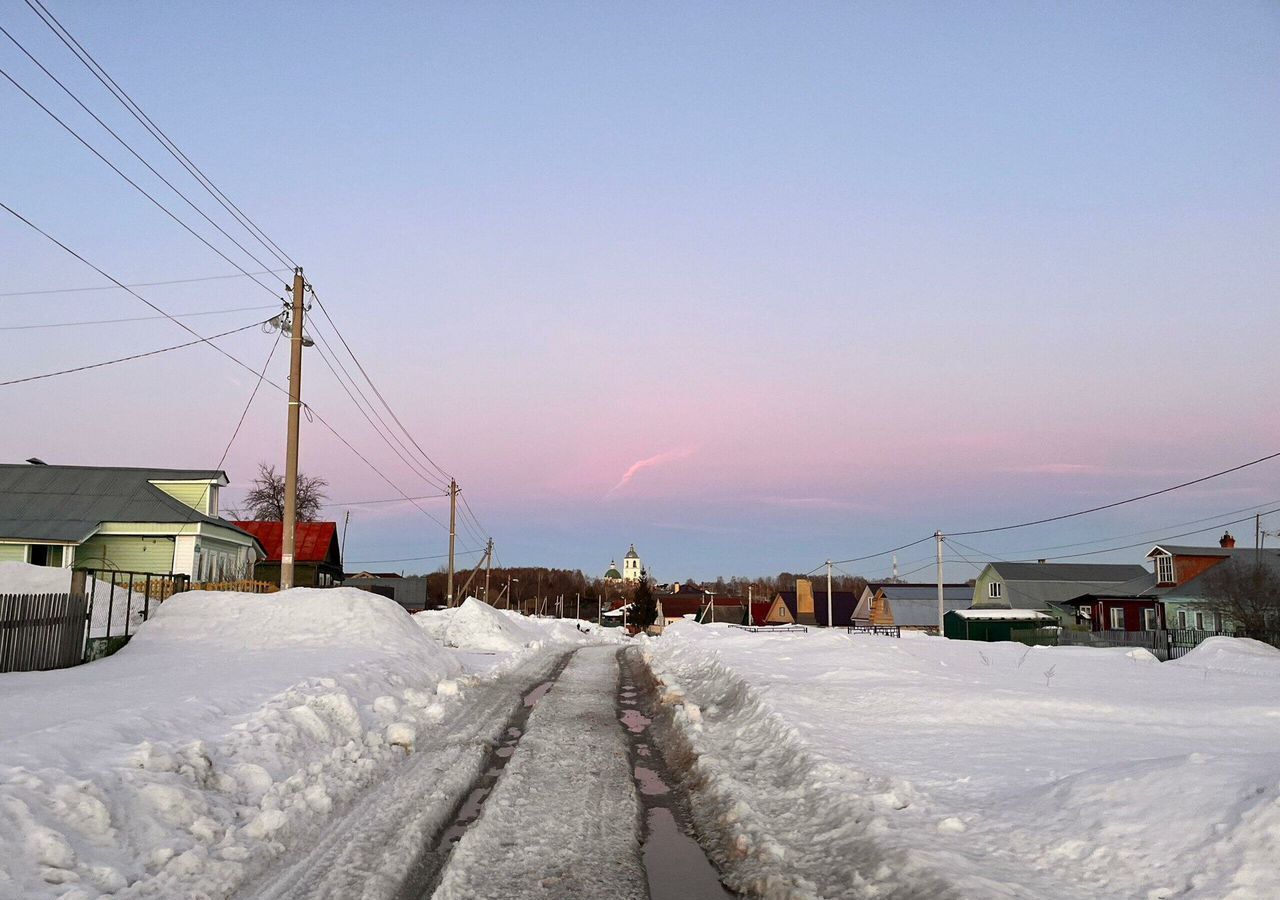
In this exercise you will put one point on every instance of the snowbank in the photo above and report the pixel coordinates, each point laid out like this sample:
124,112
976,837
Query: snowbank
477,626
1240,656
225,733
24,578
1004,770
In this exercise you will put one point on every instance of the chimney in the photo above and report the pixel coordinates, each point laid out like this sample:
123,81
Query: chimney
1226,542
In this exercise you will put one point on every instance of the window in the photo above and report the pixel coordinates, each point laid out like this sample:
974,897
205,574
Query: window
1117,618
1182,618
1199,621
995,590
1164,570
1149,619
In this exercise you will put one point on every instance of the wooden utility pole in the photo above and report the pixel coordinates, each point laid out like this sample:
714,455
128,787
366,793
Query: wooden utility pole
488,569
831,623
453,527
941,609
291,444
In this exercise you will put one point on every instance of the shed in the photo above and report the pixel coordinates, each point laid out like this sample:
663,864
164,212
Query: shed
991,624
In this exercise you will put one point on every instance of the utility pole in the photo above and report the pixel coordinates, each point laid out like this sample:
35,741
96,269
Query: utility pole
749,622
342,550
578,614
895,567
453,527
831,622
291,443
941,610
1257,532
488,569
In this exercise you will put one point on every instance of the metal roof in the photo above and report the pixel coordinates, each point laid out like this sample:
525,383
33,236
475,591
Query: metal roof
1196,588
313,541
1100,573
69,503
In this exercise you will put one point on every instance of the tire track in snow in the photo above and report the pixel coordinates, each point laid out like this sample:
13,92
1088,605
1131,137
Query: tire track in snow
564,819
369,852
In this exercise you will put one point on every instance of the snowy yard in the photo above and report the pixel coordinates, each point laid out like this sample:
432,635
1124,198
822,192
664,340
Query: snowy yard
951,768
231,730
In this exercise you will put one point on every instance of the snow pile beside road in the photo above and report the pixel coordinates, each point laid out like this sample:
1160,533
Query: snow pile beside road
24,578
475,625
227,732
1237,655
1007,770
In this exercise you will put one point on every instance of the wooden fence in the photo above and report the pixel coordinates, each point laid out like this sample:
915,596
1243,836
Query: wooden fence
42,631
243,586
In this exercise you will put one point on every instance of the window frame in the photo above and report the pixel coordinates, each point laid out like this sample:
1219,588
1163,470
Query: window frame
995,590
1165,571
1112,618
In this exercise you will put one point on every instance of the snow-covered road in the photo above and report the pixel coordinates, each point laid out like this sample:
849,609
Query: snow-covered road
564,819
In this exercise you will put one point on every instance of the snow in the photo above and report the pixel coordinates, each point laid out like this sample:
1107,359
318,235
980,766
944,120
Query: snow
1017,615
477,626
225,735
843,765
24,578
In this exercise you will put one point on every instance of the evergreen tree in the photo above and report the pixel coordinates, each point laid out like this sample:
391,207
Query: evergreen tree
644,608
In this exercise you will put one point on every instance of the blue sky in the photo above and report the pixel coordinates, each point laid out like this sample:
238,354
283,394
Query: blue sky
847,273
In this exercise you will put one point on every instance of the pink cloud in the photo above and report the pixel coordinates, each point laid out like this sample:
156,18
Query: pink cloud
649,463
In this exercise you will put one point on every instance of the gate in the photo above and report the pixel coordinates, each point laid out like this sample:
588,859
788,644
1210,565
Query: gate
42,631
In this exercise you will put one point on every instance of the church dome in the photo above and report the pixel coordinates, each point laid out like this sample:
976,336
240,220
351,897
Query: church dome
632,554
613,573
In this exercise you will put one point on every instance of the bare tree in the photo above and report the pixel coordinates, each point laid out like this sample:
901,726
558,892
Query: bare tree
1245,593
265,501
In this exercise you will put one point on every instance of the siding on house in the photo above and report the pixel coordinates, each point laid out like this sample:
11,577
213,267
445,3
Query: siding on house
13,552
982,591
126,553
200,496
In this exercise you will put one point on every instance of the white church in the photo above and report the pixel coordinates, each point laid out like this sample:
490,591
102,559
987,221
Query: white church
631,568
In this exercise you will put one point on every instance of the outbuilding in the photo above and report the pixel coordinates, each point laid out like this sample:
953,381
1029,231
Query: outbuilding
992,624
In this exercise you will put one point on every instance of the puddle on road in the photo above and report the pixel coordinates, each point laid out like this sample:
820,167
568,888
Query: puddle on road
674,863
423,879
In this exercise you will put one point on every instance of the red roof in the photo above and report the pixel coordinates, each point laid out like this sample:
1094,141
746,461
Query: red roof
311,539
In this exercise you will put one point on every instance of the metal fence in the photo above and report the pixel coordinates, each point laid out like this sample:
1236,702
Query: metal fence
1165,644
772,629
243,586
41,631
884,630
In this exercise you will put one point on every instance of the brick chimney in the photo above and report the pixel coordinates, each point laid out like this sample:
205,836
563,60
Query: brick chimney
1226,542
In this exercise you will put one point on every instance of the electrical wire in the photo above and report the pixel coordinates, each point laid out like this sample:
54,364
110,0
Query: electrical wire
127,146
1146,496
112,287
385,500
190,315
883,552
96,69
365,562
133,183
122,359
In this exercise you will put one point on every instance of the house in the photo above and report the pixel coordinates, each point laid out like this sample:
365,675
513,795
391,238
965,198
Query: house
993,623
1183,576
317,558
147,521
805,606
1046,586
912,606
1119,612
409,591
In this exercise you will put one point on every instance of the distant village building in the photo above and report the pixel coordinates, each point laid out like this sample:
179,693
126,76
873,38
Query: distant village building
631,569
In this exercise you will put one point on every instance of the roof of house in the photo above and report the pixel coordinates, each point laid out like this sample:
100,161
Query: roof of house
312,541
1042,585
69,503
1183,550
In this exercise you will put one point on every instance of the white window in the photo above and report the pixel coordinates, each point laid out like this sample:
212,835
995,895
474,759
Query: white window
1199,621
1117,618
1149,619
995,590
1164,570
1182,618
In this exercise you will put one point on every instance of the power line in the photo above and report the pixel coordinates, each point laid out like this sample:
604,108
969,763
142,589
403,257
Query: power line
190,315
1146,496
881,553
130,181
126,145
112,362
364,562
112,287
385,500
96,69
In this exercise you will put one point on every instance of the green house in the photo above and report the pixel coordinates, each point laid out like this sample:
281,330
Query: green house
158,521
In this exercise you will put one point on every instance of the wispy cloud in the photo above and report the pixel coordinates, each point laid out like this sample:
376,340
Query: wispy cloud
651,462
